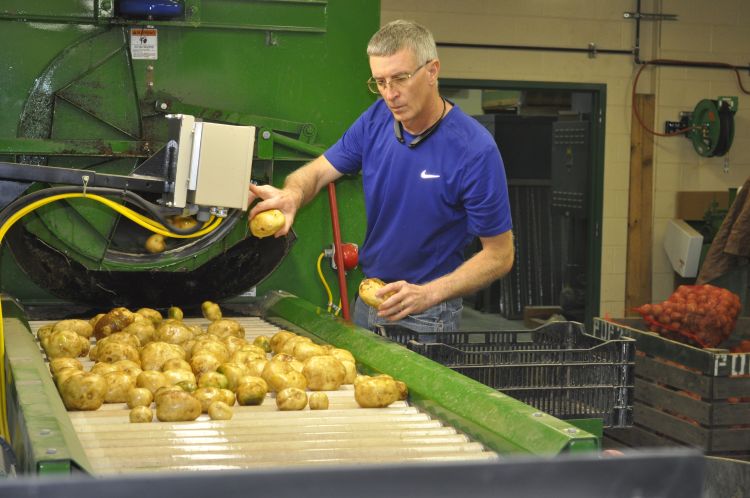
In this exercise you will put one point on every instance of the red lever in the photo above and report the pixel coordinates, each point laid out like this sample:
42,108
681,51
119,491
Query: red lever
351,255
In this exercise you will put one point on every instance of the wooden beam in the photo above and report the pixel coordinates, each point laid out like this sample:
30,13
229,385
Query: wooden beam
640,207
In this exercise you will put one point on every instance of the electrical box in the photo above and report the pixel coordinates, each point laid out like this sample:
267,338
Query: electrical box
683,246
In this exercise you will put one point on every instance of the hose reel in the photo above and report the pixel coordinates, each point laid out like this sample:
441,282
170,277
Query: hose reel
712,126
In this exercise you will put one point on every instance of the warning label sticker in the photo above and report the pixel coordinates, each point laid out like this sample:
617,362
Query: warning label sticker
143,43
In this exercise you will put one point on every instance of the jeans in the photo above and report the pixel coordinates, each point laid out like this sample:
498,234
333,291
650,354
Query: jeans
443,317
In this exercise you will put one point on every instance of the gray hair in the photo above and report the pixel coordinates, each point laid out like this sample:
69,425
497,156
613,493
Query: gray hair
400,34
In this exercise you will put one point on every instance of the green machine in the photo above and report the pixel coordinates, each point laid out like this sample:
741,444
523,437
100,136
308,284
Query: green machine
88,89
94,87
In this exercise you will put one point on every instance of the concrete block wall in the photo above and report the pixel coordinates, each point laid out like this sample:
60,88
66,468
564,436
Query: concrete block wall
713,31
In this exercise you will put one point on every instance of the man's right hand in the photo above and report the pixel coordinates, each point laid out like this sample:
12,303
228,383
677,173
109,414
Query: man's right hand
285,200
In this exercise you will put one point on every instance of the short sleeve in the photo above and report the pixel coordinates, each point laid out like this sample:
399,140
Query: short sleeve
346,154
486,194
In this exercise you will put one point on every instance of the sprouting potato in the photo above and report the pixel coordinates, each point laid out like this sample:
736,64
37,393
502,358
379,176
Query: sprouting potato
267,223
367,289
211,311
290,399
318,401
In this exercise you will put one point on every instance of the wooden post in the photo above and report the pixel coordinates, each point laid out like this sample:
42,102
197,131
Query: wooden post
640,207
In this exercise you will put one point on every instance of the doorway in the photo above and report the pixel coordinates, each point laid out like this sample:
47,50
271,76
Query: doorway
551,138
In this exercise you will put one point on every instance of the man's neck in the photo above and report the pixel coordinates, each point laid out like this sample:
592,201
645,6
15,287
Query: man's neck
431,115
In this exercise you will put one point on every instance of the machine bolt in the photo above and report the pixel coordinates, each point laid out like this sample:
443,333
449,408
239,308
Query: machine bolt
266,135
150,84
45,432
163,106
537,414
106,5
571,431
51,451
150,67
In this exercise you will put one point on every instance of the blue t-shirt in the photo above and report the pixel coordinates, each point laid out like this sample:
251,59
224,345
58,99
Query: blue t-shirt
424,204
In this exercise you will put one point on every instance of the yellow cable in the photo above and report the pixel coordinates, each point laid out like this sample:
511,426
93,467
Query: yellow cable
136,217
325,284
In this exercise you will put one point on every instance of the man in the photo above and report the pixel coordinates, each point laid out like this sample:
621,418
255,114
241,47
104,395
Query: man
433,180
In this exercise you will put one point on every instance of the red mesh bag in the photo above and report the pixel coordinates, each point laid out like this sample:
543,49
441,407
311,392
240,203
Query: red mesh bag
700,315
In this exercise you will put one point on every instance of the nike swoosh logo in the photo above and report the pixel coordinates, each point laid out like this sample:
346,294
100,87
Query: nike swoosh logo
427,175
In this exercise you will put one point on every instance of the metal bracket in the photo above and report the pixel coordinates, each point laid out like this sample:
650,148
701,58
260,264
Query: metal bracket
643,16
592,50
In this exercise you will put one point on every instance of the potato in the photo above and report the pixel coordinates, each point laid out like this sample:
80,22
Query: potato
291,398
113,321
351,371
118,385
403,391
245,357
121,338
233,372
141,414
375,392
111,352
131,368
218,410
324,373
267,223
155,354
43,334
182,222
280,374
279,338
144,330
151,380
234,344
177,406
174,377
342,355
188,386
176,364
226,327
151,314
95,319
367,289
213,379
211,311
84,391
173,332
65,344
164,390
203,363
155,243
80,327
103,368
262,342
288,347
252,391
64,374
227,397
304,350
139,396
57,364
175,313
208,395
318,401
211,346
255,367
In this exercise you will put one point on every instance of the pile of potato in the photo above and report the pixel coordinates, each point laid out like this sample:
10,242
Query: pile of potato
146,360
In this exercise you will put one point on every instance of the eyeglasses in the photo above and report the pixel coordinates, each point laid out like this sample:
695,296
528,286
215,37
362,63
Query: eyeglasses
378,85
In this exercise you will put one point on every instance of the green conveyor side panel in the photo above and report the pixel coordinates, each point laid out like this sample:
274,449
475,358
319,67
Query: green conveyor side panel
41,433
502,423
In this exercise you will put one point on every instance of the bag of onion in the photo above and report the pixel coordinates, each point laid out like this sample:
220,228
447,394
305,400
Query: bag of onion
700,315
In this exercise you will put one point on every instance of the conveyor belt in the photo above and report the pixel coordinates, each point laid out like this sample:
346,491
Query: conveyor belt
261,436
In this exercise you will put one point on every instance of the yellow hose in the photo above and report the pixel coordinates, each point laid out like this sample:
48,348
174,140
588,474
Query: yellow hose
325,283
136,217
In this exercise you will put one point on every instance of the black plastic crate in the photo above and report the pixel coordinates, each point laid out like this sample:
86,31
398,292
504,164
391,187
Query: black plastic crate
557,368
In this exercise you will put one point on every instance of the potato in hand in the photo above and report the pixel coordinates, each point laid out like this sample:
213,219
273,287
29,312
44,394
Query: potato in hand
367,289
267,223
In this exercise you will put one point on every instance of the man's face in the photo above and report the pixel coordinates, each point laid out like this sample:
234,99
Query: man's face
403,83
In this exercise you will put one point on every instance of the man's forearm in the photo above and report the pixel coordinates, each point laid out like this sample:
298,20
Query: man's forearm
479,271
308,180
